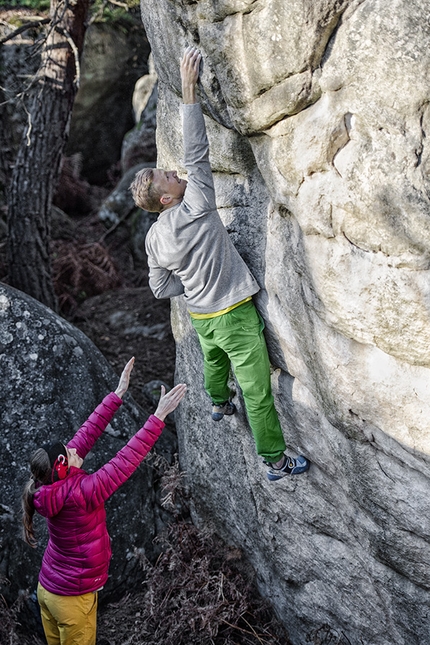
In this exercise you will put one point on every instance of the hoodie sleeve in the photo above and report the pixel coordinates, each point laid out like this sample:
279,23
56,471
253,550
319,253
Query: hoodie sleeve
163,282
98,487
95,425
199,197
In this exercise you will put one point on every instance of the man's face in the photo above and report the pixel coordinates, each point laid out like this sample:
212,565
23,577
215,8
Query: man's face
167,182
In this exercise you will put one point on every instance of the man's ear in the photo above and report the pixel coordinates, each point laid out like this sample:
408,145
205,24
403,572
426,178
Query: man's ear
165,199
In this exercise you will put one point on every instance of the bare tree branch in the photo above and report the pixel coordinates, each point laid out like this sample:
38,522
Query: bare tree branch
77,79
119,4
20,30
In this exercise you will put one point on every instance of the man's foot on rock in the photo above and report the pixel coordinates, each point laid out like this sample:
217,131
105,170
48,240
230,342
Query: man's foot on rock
221,409
289,467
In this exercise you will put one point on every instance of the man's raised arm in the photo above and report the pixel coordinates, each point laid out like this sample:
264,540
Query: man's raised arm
190,65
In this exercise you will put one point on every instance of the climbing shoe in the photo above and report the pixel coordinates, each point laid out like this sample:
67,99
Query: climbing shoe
290,467
219,410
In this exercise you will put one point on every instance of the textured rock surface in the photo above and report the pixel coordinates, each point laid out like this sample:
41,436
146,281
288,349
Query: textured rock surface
69,377
139,144
317,114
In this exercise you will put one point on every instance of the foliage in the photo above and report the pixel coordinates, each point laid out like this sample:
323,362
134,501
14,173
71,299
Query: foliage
81,270
113,11
10,625
38,5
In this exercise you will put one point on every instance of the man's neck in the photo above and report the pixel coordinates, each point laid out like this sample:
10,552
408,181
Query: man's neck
173,203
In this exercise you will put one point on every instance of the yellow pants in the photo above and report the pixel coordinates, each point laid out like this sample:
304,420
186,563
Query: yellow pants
68,620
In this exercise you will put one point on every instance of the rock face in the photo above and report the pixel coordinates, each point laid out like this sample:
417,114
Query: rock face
139,145
318,114
69,377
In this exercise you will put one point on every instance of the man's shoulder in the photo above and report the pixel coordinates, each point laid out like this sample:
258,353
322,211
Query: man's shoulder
151,232
166,222
168,218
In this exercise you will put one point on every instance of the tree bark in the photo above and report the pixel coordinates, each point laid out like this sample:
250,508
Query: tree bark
37,166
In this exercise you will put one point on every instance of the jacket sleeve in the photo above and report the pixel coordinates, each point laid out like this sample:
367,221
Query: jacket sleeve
95,425
199,197
99,486
163,282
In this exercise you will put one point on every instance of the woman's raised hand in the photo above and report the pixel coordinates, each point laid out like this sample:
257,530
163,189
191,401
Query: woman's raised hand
170,401
125,379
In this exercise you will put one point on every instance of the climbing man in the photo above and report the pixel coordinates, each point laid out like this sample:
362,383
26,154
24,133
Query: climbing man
190,252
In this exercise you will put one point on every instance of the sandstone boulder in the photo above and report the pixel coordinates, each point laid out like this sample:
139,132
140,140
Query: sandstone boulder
317,115
139,145
143,90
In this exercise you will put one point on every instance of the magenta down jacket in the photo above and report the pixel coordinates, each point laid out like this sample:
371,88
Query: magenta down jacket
76,560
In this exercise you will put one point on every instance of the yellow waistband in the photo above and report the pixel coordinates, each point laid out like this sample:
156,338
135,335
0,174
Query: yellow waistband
214,314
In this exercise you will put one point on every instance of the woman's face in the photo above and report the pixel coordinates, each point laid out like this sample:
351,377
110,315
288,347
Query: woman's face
73,458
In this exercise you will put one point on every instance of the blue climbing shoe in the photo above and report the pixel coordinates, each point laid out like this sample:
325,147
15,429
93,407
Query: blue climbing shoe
290,467
219,410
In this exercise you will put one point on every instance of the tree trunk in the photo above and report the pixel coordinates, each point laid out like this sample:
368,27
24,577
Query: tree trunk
37,166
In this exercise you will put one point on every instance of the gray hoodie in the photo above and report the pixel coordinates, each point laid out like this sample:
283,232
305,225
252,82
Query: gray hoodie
189,250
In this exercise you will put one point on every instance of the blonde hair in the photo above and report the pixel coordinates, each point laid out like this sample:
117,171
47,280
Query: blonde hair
145,194
41,471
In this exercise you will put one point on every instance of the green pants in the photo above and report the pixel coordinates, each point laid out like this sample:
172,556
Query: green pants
236,338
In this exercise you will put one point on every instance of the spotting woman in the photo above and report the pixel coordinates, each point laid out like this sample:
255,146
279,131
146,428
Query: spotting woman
76,561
